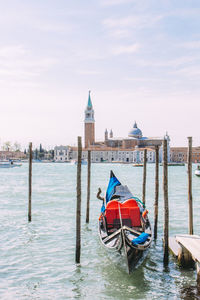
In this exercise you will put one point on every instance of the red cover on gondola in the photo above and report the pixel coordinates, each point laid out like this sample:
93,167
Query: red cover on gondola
129,210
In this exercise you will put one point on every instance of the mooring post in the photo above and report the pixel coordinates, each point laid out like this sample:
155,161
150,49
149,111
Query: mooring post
166,207
30,183
184,257
78,203
156,191
189,161
198,275
88,187
144,176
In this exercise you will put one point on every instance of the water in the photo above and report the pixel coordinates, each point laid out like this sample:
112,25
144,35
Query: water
37,259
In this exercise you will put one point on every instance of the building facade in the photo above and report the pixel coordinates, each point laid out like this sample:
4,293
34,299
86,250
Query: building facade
62,154
108,155
179,154
127,150
12,155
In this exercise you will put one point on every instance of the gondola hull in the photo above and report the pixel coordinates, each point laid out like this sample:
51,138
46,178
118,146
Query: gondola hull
122,253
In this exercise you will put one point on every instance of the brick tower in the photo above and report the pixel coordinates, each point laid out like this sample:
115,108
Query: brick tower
89,124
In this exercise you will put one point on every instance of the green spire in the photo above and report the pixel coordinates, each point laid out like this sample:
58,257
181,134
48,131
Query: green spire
89,101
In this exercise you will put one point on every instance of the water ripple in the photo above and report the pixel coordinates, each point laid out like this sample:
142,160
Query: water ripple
37,259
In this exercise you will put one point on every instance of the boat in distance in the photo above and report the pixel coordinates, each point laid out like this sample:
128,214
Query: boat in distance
9,164
124,227
174,164
75,162
197,171
137,165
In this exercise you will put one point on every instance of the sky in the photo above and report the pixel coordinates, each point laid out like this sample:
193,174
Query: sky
139,58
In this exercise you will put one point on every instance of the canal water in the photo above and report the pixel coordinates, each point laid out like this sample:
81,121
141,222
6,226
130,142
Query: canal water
37,259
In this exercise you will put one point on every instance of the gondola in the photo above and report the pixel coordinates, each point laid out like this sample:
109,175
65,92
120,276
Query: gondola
124,227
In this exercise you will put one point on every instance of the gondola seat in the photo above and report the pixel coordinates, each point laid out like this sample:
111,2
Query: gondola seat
130,213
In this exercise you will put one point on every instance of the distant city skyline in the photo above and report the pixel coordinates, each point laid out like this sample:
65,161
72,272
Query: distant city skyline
140,59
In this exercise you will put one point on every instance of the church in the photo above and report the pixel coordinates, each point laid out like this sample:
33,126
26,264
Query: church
129,149
135,138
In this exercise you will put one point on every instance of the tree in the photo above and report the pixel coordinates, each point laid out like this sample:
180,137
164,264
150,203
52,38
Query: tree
36,153
52,154
17,147
41,149
7,146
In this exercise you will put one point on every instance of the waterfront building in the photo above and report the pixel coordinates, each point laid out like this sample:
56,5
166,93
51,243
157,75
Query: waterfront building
109,155
179,154
113,149
9,155
134,139
62,154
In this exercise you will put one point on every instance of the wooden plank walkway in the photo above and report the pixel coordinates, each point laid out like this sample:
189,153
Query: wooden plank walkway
174,247
191,243
186,247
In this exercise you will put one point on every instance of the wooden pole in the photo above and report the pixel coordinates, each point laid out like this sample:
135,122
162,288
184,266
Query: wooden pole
78,204
156,192
166,208
189,160
144,176
30,183
198,276
184,257
88,187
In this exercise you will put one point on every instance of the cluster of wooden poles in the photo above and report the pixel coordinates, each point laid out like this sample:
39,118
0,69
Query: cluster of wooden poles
165,193
78,189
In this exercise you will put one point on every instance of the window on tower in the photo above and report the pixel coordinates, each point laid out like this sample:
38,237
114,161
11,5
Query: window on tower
87,115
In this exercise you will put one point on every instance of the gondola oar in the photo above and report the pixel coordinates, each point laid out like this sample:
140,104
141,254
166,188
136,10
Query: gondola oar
123,239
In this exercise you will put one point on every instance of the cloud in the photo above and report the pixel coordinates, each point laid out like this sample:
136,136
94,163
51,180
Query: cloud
120,33
144,79
185,12
115,2
17,63
120,28
185,66
189,72
88,72
45,26
12,51
125,49
191,45
171,63
134,22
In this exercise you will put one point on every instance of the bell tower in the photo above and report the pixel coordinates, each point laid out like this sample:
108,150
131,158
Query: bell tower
106,134
89,124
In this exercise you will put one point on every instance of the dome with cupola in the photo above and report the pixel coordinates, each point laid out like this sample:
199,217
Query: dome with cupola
135,132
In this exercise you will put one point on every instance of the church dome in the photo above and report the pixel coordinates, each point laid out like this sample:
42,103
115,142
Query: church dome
135,132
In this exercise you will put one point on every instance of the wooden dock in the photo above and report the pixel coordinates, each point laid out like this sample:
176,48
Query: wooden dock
187,249
174,246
